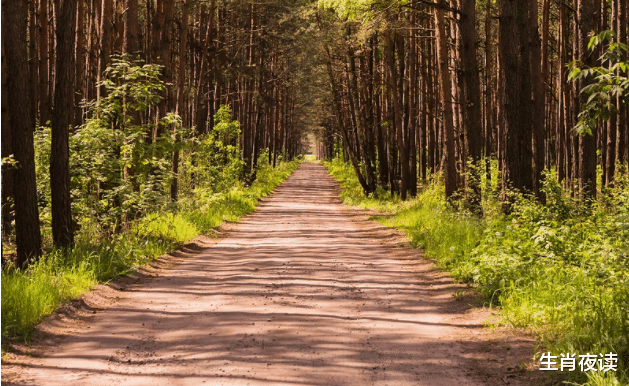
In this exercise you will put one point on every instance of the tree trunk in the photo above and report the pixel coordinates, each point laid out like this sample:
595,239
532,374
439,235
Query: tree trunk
538,107
206,62
471,106
7,150
622,123
561,87
106,29
131,40
22,123
44,95
79,58
588,16
62,229
32,52
181,78
489,93
516,89
446,98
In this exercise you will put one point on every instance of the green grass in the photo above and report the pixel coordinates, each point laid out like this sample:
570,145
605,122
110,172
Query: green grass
560,270
29,295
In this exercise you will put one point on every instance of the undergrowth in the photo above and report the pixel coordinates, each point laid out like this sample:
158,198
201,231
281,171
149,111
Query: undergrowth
29,295
560,270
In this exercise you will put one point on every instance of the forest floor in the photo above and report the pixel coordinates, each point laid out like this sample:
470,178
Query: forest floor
302,292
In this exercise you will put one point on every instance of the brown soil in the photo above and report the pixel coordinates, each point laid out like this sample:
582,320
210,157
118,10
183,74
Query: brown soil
302,292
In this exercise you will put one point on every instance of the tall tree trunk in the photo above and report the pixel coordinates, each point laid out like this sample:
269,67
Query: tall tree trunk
44,95
538,107
446,98
411,94
79,58
62,229
21,124
561,87
489,92
106,31
181,92
516,88
588,16
206,62
7,150
131,40
32,52
471,106
167,17
622,123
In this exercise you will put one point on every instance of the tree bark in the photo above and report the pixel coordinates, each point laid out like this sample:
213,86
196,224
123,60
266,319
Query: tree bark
181,78
489,92
471,106
22,123
7,150
44,95
446,98
588,14
131,39
516,89
538,106
79,58
622,123
106,29
62,229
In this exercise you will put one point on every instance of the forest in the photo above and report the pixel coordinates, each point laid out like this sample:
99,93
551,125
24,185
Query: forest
494,133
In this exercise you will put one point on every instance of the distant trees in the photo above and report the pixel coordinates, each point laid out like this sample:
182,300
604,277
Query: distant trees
399,89
246,55
445,95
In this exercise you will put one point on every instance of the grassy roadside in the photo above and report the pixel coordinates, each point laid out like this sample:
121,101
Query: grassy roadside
29,295
560,270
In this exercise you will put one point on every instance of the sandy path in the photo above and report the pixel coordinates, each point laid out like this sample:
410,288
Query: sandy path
296,294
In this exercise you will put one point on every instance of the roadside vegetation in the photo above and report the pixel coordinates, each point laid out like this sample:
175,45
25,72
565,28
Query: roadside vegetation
560,270
128,205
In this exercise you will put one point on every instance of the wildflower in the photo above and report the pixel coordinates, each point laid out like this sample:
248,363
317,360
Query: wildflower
508,227
498,233
452,248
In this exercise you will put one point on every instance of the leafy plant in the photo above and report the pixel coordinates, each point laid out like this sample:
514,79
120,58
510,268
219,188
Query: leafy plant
120,160
608,82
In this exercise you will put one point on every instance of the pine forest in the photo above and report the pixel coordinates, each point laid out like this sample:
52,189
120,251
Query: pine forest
493,134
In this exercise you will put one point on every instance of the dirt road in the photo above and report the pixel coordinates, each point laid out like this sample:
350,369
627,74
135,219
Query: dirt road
302,292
